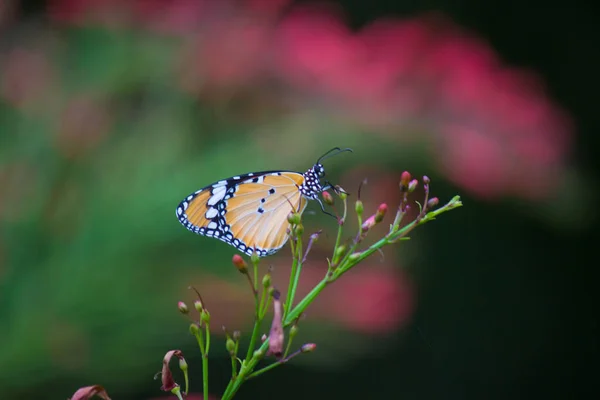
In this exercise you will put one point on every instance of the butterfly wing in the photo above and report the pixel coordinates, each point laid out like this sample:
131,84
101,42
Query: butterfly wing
248,212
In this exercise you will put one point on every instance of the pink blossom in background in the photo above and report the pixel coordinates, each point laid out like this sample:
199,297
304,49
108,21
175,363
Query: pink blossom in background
84,123
25,77
489,128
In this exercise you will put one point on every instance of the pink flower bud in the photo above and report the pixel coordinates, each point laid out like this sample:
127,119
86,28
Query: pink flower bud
240,263
405,181
413,185
381,210
308,347
276,337
183,308
433,202
327,198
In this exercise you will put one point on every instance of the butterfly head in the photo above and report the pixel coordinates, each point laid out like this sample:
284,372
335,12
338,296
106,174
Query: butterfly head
312,187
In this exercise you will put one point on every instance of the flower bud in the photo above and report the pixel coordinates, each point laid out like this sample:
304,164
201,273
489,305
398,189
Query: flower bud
183,364
354,256
230,346
341,193
340,251
205,316
240,263
433,202
258,354
381,210
236,335
194,329
293,330
368,224
299,230
426,179
327,198
413,185
405,181
266,282
254,258
263,337
276,335
198,306
359,207
183,308
294,218
308,347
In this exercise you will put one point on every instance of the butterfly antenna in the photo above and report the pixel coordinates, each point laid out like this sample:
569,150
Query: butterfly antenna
333,152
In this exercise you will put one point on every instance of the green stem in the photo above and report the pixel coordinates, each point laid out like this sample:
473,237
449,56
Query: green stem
248,367
305,302
200,340
205,375
294,276
255,330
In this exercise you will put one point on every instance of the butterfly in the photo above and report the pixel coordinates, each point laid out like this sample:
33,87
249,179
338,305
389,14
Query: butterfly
250,211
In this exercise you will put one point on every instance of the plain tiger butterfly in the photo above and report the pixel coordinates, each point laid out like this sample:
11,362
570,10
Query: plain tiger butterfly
249,212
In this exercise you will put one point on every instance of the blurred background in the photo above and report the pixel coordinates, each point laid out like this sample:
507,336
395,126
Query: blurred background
112,111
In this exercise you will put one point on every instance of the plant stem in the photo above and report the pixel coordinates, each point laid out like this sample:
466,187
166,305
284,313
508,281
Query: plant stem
294,276
205,375
246,372
200,339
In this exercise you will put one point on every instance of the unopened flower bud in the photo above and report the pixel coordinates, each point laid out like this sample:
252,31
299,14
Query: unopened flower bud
263,337
266,282
258,353
368,224
272,291
327,198
381,210
205,316
194,329
426,180
230,346
183,364
299,230
198,306
359,207
308,347
413,185
294,218
236,335
433,202
341,192
240,263
340,251
293,330
354,256
405,181
254,258
276,335
183,308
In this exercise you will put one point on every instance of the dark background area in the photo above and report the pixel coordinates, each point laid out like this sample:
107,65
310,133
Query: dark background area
513,315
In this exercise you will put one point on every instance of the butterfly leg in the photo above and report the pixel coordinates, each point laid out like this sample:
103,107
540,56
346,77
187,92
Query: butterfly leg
323,208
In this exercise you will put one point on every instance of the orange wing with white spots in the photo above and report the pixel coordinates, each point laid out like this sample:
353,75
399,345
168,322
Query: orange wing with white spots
248,212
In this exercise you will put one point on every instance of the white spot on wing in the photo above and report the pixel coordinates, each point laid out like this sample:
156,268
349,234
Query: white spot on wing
218,194
212,225
211,213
